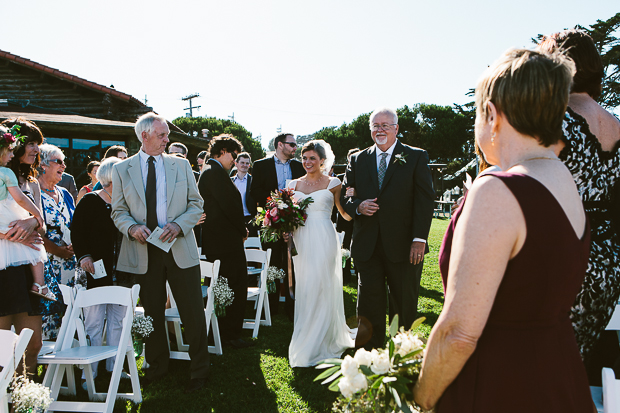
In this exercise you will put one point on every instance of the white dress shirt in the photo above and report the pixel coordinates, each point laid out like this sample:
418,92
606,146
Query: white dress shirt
242,186
160,183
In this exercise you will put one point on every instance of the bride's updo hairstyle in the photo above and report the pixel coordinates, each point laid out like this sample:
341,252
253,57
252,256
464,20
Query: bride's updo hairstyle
531,90
324,150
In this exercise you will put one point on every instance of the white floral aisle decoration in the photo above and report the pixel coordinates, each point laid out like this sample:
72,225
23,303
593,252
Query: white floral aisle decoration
377,380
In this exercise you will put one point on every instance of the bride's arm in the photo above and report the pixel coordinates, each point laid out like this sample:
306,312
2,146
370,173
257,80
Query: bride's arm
336,191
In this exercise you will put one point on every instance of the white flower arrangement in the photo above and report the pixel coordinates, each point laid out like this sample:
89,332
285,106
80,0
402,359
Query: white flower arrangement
142,326
223,295
274,273
346,254
401,158
377,380
29,396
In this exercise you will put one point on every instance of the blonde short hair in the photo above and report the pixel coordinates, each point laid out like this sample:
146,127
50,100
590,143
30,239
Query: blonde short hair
530,89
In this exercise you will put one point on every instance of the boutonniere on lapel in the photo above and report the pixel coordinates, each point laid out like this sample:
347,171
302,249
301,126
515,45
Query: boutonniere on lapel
401,158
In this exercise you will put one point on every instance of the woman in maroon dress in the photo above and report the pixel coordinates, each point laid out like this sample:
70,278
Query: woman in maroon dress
513,258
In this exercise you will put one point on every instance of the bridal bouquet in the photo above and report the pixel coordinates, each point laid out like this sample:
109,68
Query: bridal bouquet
346,254
377,381
282,214
223,295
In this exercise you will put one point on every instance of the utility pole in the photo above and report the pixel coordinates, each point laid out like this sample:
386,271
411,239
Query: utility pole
146,102
279,130
190,97
232,117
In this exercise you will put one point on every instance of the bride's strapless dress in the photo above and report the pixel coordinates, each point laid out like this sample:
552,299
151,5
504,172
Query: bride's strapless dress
320,329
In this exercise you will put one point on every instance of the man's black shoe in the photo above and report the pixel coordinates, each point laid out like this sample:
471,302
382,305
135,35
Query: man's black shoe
194,385
239,343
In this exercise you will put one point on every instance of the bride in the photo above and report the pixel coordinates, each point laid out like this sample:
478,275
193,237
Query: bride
320,330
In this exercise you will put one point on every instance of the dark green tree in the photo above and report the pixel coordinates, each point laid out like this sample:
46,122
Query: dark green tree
217,127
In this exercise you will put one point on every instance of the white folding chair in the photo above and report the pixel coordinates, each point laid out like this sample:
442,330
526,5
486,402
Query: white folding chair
607,398
84,355
259,294
12,347
252,243
49,347
207,270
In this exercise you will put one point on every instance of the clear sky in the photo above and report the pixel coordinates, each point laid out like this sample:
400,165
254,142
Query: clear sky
298,65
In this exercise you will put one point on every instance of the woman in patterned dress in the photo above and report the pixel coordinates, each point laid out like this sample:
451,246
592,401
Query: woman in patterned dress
58,207
590,151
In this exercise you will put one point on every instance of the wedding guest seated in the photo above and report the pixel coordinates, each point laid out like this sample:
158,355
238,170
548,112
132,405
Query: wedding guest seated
57,205
96,239
91,170
504,341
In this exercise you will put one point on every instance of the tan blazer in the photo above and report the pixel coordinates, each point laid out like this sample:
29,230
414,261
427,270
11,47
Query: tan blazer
129,208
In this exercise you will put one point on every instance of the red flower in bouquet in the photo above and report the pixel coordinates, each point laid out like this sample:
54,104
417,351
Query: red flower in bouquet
282,214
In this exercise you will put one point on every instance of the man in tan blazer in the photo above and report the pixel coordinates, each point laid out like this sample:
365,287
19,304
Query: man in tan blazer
150,190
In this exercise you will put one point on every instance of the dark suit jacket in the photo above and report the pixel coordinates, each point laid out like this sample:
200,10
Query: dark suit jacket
265,178
224,226
250,203
406,202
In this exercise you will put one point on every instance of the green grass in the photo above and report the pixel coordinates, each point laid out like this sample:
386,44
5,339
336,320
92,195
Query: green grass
259,379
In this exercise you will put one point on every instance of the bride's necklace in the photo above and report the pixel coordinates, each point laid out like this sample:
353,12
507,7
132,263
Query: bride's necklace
314,184
548,158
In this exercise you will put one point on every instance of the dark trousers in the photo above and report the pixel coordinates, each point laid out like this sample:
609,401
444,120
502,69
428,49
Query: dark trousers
185,286
403,287
279,259
346,244
233,267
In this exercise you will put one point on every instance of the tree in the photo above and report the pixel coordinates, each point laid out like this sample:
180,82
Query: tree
608,45
217,127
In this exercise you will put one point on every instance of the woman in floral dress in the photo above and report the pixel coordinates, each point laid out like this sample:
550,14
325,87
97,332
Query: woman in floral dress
57,204
590,151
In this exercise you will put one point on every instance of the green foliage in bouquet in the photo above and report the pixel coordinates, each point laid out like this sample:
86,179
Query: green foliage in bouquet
377,381
282,214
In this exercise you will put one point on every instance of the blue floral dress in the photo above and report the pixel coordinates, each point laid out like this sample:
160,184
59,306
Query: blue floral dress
57,270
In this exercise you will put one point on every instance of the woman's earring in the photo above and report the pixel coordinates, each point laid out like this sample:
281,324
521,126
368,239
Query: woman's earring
493,137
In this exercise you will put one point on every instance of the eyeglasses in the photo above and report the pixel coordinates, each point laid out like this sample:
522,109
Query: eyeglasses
383,126
291,144
234,155
58,161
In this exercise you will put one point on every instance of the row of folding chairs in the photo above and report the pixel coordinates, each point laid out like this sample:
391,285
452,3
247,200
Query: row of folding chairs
260,264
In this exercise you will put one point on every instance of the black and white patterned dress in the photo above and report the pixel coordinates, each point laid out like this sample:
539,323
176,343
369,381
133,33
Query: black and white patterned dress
595,172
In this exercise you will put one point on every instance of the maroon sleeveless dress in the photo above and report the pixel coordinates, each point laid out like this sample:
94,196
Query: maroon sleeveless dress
527,358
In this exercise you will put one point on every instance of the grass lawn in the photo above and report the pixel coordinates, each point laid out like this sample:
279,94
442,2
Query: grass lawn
259,379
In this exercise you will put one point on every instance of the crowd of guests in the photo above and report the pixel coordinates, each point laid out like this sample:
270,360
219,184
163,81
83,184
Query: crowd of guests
527,296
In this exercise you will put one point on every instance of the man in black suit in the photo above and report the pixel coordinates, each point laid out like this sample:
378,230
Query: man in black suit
272,173
392,211
243,181
342,225
225,231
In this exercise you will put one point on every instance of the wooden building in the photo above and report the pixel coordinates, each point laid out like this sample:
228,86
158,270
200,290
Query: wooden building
81,117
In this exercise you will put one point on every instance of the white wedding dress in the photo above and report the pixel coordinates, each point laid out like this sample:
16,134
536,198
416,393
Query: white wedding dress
320,329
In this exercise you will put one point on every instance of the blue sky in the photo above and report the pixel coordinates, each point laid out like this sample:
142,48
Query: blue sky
298,65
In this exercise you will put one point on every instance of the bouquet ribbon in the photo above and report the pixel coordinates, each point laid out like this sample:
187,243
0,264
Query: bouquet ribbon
289,249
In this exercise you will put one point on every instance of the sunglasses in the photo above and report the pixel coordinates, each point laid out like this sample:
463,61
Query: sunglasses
291,144
58,161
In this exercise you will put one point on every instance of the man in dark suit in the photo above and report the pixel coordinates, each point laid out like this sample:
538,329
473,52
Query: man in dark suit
225,231
150,190
392,211
342,225
243,181
272,173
